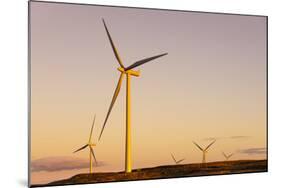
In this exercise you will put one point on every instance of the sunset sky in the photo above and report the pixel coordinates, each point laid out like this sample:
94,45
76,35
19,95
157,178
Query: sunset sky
212,84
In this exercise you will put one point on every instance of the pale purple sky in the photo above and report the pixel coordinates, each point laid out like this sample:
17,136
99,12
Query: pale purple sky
211,84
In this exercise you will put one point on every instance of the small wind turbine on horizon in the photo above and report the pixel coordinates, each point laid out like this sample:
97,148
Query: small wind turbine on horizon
90,145
177,161
128,71
205,151
227,157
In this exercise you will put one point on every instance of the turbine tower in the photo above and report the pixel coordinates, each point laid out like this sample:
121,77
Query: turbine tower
227,156
128,71
177,161
90,145
204,150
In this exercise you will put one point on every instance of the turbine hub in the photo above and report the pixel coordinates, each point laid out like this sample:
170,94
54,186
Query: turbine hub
130,72
122,70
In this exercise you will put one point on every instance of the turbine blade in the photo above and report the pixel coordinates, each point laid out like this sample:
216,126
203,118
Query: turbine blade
198,146
230,155
180,161
116,92
112,45
224,155
83,147
173,158
210,145
138,63
92,129
93,153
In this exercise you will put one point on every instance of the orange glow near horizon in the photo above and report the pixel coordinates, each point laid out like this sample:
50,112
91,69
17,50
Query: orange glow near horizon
212,84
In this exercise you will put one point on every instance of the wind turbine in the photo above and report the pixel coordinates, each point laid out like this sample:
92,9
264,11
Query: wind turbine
128,71
227,156
177,161
204,150
90,145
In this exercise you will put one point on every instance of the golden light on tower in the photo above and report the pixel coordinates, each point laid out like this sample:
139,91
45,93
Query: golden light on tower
90,145
129,72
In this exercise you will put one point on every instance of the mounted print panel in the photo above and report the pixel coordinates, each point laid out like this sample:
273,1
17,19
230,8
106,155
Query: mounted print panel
120,94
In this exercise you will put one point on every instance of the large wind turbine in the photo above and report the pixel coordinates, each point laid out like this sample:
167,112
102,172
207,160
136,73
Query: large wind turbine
128,71
227,156
204,150
177,161
90,145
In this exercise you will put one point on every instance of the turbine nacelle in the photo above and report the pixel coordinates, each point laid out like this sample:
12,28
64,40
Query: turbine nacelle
130,72
90,144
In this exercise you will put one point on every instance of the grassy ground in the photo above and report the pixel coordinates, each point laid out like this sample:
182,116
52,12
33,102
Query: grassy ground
169,171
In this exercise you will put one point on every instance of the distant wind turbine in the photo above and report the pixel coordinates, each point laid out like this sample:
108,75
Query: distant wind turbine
227,156
90,145
204,150
128,71
177,161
